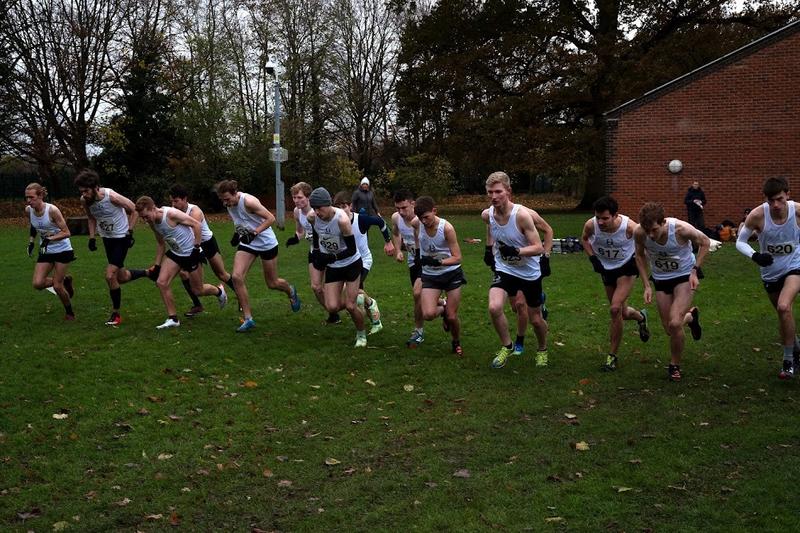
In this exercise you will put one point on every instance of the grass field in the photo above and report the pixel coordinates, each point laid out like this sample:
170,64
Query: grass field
288,428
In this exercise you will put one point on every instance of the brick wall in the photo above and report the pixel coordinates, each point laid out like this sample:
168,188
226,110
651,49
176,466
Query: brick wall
731,126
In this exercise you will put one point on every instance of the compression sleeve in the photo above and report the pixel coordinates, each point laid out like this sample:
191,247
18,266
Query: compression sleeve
350,241
741,242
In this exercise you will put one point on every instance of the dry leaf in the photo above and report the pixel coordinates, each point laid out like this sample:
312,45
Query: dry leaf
174,519
60,526
154,516
369,382
60,416
622,489
330,461
462,473
267,472
155,399
249,384
26,515
284,483
570,416
585,381
123,502
554,519
164,456
582,446
408,388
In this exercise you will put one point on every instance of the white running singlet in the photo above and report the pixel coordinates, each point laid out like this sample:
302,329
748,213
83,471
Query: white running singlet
362,242
407,236
112,221
307,227
46,228
245,222
179,240
205,231
437,247
613,249
670,260
523,267
782,242
331,240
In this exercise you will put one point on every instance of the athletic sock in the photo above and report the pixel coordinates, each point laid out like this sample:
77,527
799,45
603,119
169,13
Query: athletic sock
116,297
509,346
174,317
420,331
193,296
219,291
229,283
68,309
136,274
788,352
520,340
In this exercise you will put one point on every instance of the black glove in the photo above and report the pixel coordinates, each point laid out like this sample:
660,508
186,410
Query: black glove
153,272
235,239
43,244
30,248
488,257
544,265
317,260
131,240
92,244
506,250
427,260
247,238
699,272
763,260
198,255
291,241
596,264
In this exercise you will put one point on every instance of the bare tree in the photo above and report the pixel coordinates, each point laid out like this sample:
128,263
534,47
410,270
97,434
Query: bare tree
63,52
364,75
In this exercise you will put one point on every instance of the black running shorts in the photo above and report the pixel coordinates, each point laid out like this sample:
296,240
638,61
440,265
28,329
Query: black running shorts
531,289
347,273
667,286
186,262
116,250
65,257
777,286
610,277
265,255
449,281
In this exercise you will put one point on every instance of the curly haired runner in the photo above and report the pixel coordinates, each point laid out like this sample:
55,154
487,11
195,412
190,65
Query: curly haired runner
666,244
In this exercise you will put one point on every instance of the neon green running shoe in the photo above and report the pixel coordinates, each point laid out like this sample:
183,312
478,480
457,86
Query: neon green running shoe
501,357
541,357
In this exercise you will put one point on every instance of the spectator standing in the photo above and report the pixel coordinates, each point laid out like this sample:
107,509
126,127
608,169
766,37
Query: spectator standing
695,201
363,201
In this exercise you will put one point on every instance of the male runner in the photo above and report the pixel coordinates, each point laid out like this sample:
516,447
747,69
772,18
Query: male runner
608,241
113,216
666,244
255,239
777,224
180,235
405,229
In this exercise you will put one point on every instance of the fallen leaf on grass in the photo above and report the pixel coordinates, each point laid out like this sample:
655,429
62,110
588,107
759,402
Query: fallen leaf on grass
554,519
462,473
154,516
756,349
369,382
585,381
155,399
284,483
267,472
174,519
330,461
60,526
582,446
727,489
554,478
27,515
622,489
249,384
673,487
635,461
559,343
60,416
570,416
143,412
408,388
164,456
123,502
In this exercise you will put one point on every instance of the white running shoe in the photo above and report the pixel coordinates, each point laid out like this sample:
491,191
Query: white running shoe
222,297
169,323
361,340
376,327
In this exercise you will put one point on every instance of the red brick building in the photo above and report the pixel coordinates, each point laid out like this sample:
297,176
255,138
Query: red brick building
731,123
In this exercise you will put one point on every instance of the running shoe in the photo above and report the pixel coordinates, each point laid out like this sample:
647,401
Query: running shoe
694,325
457,349
376,327
415,339
68,286
501,357
787,371
674,372
222,297
247,325
169,323
644,331
374,312
294,299
541,357
194,311
361,340
115,320
545,310
519,349
610,365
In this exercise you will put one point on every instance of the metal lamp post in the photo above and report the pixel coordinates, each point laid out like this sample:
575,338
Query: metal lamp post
277,153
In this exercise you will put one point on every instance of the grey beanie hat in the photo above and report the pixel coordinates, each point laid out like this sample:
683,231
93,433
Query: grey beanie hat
320,197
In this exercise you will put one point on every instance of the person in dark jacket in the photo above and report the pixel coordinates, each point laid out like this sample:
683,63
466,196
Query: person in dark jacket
695,201
363,201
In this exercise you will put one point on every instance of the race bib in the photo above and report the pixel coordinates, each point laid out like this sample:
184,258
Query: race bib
329,244
172,244
608,253
106,227
781,249
666,263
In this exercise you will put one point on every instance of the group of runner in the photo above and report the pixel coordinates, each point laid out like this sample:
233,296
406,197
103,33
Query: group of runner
666,251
